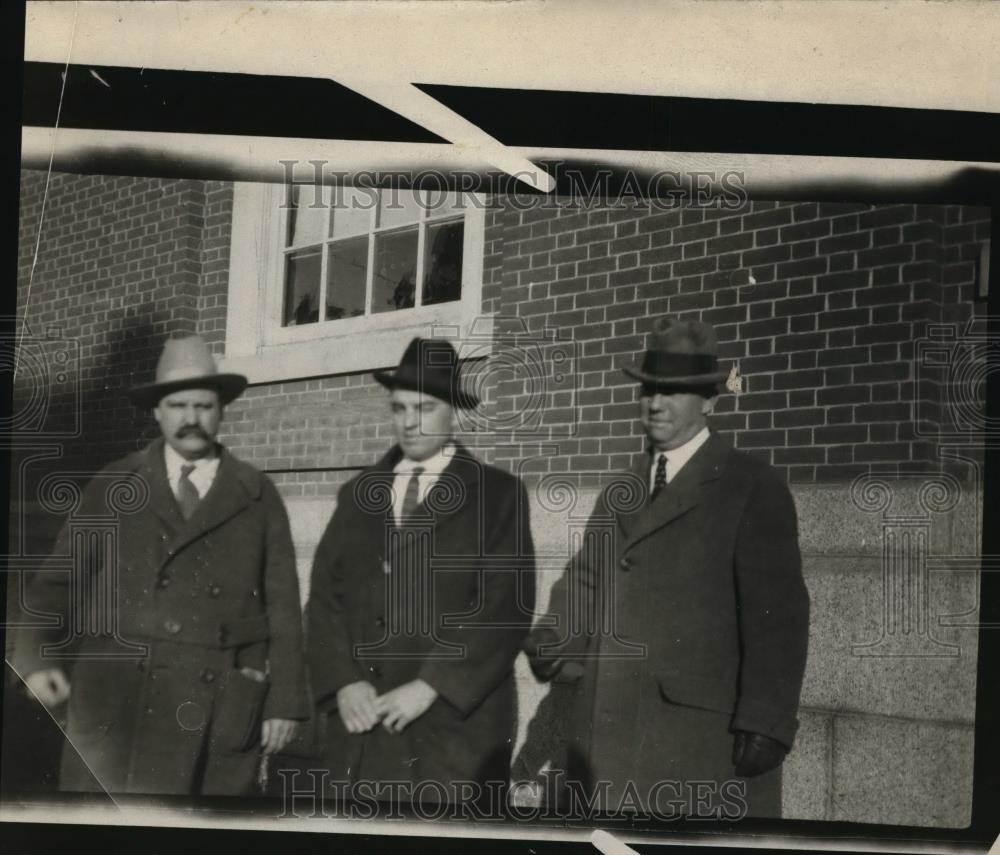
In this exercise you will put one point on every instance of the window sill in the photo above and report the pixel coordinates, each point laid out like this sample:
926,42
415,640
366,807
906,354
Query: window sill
323,357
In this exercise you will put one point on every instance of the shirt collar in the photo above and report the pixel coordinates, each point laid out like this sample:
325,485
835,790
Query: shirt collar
433,465
174,461
683,453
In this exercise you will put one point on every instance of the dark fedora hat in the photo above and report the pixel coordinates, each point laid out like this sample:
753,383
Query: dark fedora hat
680,353
187,363
430,365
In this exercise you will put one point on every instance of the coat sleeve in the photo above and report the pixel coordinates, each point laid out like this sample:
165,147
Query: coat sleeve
773,610
507,583
287,697
328,638
47,592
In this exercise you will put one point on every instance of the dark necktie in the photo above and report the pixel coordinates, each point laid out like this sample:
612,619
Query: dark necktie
660,479
187,493
412,493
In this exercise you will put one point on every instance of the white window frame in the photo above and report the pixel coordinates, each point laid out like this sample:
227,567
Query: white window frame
257,344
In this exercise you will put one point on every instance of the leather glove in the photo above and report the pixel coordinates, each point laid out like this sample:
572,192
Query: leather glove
754,753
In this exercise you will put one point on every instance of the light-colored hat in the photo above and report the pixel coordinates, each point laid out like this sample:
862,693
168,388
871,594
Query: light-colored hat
187,363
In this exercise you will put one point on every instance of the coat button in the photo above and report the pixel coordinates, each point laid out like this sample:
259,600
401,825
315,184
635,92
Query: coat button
163,582
207,675
376,671
625,564
172,626
214,590
380,621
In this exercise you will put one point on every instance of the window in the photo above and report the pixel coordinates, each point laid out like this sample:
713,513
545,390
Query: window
335,279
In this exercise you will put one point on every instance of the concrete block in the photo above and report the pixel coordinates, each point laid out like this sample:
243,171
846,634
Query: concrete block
902,772
924,676
308,518
807,769
836,518
829,521
967,525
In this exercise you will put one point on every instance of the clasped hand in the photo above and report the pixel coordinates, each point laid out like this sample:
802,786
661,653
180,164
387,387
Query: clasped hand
361,707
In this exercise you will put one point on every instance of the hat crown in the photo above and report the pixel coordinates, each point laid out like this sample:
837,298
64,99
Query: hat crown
185,359
688,337
431,366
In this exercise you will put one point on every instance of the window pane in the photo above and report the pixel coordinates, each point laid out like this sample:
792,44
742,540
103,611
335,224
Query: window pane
353,213
302,288
345,278
443,263
397,207
441,204
394,282
307,218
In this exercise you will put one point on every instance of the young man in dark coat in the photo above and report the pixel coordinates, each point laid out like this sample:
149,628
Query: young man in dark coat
181,617
422,594
687,631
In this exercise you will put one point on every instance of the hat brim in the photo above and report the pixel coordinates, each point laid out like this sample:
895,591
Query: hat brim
455,397
689,380
229,387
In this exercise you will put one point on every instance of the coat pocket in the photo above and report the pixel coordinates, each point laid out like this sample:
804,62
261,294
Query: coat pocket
706,693
239,708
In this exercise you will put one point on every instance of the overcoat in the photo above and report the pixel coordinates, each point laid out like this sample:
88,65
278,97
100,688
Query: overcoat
160,615
690,616
449,600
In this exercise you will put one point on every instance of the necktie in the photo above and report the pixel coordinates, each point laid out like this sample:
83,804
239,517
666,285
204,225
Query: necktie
187,493
660,479
412,493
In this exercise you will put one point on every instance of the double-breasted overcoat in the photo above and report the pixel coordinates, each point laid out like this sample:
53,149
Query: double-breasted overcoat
690,617
447,599
159,616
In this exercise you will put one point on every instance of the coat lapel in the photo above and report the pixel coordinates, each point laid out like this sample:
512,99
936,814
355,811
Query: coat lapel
153,471
448,500
682,494
232,490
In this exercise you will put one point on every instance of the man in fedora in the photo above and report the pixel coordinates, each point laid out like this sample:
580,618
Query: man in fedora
688,697
191,663
422,593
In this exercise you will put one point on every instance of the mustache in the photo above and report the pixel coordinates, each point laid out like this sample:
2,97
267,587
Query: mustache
192,430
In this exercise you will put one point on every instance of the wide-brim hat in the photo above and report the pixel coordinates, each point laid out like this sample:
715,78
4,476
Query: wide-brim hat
430,365
187,363
680,353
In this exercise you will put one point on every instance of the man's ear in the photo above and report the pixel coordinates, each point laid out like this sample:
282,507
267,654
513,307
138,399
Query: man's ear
708,405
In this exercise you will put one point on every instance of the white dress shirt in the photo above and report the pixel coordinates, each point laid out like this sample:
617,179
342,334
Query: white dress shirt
201,476
677,457
432,467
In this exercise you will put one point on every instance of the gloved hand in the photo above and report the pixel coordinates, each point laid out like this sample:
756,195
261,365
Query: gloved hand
754,753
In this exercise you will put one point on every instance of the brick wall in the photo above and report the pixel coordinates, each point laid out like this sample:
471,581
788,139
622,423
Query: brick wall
820,304
117,271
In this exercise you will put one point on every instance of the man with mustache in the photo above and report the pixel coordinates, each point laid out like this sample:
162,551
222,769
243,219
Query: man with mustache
191,663
684,619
